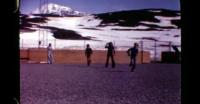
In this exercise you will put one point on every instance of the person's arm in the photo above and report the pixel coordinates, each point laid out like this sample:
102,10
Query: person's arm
128,51
106,45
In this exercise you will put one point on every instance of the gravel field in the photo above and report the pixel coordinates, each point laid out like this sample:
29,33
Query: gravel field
79,84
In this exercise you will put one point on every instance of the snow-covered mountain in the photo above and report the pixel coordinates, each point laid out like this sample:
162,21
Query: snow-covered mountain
57,9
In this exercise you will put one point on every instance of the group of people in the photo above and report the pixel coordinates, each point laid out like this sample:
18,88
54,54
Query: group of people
131,52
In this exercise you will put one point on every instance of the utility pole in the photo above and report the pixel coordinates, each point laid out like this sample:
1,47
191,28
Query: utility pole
142,51
43,34
155,51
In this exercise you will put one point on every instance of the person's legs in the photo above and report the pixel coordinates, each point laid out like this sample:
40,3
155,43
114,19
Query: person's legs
107,60
134,64
88,60
131,62
113,61
50,59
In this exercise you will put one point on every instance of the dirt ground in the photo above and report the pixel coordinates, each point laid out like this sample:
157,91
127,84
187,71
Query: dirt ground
79,84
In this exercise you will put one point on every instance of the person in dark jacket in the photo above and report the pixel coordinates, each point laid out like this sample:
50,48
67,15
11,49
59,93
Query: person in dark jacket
110,53
88,53
132,52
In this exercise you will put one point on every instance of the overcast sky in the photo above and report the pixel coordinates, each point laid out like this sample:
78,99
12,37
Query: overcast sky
101,6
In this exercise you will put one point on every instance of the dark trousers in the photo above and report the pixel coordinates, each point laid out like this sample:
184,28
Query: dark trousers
88,60
132,63
112,59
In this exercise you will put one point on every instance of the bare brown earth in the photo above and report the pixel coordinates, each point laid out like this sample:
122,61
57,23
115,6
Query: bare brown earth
36,55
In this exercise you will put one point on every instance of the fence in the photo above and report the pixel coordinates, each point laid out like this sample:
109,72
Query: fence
157,47
153,46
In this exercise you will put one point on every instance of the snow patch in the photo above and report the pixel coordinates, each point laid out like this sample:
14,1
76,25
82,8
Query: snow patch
56,9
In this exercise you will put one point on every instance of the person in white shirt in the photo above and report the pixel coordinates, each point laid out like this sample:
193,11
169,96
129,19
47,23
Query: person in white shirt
49,54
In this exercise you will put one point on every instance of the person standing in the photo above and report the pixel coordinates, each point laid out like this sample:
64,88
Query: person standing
110,53
88,53
132,53
49,54
39,44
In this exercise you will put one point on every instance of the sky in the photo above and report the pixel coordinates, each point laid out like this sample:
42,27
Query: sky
102,6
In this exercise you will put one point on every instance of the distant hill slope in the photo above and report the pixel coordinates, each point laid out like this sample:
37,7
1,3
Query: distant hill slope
135,17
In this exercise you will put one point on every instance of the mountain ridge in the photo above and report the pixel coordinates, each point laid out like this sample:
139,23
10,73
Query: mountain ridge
56,9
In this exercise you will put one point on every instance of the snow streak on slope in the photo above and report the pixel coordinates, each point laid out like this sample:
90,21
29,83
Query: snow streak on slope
165,21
